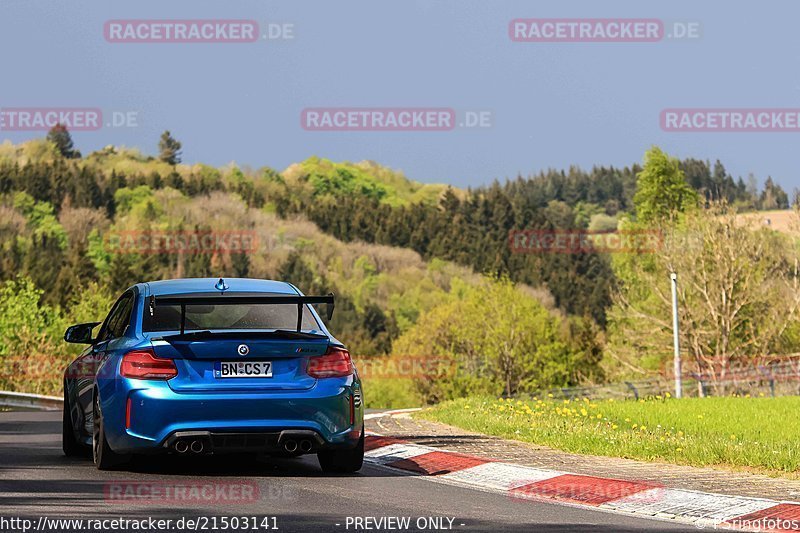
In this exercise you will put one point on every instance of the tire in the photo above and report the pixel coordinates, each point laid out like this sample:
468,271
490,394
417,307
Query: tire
342,461
70,445
104,457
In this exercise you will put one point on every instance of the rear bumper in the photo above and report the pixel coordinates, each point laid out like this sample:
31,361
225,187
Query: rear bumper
291,441
232,422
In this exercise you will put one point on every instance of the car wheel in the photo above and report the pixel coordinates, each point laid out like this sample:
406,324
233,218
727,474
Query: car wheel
70,445
104,457
343,461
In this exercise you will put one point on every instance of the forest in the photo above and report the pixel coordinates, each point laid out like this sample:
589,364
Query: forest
399,255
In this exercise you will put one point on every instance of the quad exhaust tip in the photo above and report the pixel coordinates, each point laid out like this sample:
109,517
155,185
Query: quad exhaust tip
297,442
303,445
182,446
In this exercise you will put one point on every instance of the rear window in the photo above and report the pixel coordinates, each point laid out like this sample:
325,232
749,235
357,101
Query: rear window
228,316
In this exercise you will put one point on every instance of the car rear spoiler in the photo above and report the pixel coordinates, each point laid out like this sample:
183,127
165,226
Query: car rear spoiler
222,298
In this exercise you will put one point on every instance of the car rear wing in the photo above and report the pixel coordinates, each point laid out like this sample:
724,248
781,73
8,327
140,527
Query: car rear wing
222,298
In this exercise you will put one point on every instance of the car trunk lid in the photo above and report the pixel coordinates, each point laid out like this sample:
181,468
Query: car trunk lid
199,355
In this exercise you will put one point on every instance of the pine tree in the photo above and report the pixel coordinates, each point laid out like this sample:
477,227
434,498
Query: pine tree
60,137
169,149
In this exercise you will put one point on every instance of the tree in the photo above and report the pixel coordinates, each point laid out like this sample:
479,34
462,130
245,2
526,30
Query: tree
169,149
773,196
739,295
60,137
661,188
500,341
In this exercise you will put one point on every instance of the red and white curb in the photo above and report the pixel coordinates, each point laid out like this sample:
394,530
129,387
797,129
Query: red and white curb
633,498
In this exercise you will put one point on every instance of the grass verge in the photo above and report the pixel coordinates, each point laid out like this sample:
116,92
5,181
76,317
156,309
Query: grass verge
757,434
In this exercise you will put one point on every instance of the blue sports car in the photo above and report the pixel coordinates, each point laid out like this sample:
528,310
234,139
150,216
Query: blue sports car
208,366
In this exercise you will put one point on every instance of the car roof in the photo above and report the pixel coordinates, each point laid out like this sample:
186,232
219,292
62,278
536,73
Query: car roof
190,285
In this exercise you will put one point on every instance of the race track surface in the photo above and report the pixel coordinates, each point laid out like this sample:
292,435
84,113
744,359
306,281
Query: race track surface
39,484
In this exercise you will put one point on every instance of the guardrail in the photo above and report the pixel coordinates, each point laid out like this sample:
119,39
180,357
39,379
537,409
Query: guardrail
30,401
762,380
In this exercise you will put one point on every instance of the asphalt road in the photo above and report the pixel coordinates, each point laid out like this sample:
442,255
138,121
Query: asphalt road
36,480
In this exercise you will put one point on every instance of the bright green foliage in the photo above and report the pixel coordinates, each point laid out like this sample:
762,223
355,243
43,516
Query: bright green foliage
661,188
32,353
139,200
98,253
28,358
24,325
91,303
366,180
390,393
41,217
499,342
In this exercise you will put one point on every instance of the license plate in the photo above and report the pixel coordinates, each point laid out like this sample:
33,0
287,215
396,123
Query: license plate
243,369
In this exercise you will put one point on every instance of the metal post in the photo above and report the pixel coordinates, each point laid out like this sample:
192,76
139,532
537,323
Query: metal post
675,337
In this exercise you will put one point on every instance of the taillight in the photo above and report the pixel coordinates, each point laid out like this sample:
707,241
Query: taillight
335,363
143,364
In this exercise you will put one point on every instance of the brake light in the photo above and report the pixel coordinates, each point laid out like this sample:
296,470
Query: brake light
336,363
143,364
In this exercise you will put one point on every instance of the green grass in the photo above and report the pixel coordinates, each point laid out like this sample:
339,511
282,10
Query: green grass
756,434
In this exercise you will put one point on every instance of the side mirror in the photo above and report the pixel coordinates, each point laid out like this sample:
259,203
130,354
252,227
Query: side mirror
80,333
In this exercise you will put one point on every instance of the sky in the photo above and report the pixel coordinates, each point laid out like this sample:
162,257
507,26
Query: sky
542,104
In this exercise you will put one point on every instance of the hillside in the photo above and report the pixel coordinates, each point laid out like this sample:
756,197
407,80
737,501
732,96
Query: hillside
371,203
783,220
367,179
72,234
415,267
